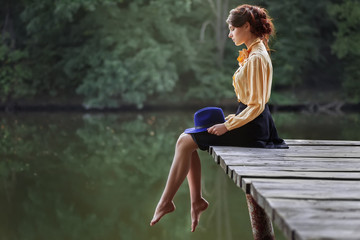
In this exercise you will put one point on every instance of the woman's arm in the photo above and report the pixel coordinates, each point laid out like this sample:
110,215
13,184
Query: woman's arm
258,75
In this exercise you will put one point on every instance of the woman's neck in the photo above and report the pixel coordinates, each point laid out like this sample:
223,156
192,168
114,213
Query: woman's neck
250,40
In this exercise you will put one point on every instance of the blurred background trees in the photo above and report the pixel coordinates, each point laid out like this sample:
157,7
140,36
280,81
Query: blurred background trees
106,53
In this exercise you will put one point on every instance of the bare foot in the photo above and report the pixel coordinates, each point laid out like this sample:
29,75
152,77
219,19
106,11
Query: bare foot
161,210
196,209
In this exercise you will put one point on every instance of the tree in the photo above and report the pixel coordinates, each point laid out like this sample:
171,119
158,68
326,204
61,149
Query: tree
15,74
346,16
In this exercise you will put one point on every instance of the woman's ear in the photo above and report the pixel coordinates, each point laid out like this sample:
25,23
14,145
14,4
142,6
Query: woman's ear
247,26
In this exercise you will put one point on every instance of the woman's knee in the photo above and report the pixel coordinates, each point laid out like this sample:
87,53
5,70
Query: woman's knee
186,140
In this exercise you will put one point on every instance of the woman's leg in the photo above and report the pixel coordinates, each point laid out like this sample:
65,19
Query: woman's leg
185,147
198,203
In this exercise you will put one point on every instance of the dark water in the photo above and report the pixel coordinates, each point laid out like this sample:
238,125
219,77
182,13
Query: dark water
76,176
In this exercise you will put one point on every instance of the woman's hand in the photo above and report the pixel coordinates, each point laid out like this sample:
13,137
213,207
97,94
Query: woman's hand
218,129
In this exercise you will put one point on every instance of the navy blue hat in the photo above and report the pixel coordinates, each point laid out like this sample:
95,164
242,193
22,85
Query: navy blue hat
205,118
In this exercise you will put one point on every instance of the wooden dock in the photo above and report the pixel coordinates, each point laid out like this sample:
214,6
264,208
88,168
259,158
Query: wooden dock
310,191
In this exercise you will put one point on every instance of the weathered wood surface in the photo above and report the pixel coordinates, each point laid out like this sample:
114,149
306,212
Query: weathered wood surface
296,152
306,142
310,191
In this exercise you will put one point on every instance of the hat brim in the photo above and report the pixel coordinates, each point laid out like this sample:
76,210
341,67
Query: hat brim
195,130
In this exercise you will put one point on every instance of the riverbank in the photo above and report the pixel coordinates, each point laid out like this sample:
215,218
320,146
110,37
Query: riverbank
329,107
299,100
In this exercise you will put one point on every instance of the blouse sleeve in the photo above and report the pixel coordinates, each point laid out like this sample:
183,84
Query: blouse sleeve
257,75
229,116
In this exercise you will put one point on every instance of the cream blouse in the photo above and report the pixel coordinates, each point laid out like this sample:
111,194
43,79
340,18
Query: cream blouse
252,84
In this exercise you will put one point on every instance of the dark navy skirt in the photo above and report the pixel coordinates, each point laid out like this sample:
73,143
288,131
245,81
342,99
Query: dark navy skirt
260,132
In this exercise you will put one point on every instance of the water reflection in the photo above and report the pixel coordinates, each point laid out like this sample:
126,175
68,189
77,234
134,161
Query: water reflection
74,176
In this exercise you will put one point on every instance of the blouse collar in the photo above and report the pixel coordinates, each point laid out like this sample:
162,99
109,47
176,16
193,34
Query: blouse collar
244,54
256,41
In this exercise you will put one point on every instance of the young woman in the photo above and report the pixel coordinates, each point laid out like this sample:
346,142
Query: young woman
251,125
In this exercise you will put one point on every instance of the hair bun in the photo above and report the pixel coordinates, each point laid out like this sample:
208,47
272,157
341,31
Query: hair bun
260,22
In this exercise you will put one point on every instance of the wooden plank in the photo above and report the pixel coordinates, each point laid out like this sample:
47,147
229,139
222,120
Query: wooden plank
306,142
237,173
341,152
316,218
341,163
291,153
304,189
279,157
298,154
232,149
326,228
310,164
326,160
301,204
346,231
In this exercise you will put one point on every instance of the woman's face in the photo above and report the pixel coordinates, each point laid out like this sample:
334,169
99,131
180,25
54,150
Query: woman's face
239,35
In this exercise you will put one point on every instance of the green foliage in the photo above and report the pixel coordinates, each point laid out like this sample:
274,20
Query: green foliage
130,71
53,31
15,74
351,80
114,52
346,45
298,42
347,18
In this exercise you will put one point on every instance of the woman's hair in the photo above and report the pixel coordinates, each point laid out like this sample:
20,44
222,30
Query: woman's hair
260,22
